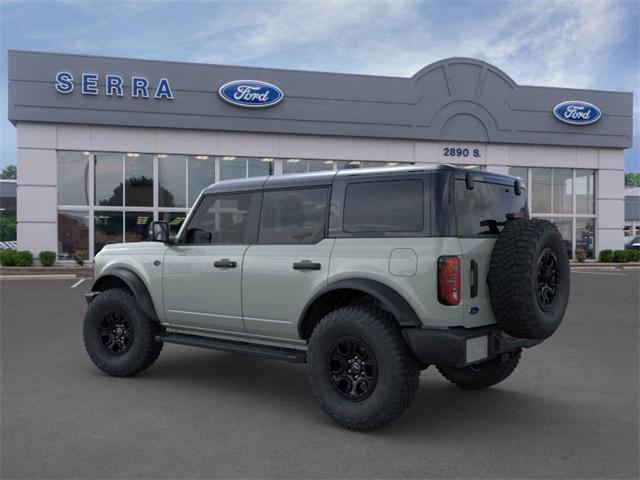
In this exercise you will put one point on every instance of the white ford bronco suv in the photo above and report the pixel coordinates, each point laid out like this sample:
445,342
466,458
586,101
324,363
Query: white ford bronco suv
368,276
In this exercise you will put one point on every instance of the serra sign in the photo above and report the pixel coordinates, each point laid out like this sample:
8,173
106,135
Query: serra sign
113,85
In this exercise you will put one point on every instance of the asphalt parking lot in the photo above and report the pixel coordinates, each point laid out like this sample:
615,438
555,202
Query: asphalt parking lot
569,411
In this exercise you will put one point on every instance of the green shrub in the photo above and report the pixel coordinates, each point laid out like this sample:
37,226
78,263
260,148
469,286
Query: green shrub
47,258
8,258
620,256
80,256
24,258
581,254
633,255
606,256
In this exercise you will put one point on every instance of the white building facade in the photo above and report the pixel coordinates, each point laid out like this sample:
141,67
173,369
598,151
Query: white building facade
96,168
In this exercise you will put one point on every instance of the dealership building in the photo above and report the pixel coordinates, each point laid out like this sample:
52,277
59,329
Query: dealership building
106,145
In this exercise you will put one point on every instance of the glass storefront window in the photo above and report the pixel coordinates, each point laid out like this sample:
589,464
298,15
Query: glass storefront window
585,192
565,226
107,229
521,172
259,167
108,179
73,233
585,235
295,165
136,226
562,179
174,219
320,165
73,178
233,167
201,175
138,172
541,190
172,188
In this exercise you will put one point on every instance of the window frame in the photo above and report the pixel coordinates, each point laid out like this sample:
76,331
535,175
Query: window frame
325,230
253,218
338,200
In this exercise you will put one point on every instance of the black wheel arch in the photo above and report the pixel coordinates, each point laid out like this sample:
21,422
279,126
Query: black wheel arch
389,299
116,277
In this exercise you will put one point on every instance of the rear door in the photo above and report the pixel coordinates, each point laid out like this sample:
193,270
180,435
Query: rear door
289,263
479,213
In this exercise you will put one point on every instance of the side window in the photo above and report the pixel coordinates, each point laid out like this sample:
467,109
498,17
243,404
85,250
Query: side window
294,216
222,219
384,206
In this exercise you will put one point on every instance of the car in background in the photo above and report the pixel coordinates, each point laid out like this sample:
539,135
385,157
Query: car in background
632,241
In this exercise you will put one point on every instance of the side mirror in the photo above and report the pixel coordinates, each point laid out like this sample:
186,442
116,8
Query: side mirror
159,232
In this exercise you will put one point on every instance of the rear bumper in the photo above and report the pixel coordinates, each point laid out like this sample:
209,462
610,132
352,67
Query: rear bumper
460,347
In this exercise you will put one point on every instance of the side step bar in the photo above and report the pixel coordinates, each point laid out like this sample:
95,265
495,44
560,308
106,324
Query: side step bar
243,348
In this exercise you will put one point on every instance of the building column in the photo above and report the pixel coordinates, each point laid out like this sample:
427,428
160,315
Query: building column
610,200
36,194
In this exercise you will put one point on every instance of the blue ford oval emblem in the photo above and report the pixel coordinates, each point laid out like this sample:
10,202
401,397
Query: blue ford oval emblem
577,112
250,93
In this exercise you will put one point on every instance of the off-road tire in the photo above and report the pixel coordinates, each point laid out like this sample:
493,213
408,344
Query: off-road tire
143,349
397,369
514,278
484,374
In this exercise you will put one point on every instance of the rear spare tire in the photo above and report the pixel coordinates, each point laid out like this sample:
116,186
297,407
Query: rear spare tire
529,278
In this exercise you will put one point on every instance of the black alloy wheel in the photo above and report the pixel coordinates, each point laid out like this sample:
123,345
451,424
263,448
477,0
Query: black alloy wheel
547,278
116,332
353,369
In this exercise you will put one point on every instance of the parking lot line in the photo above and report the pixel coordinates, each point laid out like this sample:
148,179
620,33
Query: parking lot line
78,282
601,273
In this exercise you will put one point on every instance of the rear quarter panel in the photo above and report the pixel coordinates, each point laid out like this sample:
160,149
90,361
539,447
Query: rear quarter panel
372,258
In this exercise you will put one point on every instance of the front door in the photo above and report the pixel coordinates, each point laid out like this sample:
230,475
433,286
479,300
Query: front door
288,264
202,275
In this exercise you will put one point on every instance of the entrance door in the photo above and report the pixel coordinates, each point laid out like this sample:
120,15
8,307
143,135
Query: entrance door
203,271
288,264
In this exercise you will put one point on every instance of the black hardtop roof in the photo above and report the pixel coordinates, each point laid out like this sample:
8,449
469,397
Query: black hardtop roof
327,177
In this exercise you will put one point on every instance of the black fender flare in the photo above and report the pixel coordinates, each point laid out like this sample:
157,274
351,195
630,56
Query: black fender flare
390,299
135,284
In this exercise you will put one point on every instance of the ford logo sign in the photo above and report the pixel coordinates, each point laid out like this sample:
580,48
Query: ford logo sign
250,93
577,112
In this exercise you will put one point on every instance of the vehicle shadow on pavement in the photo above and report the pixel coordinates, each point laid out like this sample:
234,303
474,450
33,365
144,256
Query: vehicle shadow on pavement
436,408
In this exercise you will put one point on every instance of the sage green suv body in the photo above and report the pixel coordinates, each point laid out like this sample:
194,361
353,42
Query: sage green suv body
260,263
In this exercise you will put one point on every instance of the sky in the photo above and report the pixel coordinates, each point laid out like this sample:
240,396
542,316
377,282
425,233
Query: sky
561,43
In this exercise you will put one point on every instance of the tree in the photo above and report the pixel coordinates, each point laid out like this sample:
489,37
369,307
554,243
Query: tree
9,173
632,180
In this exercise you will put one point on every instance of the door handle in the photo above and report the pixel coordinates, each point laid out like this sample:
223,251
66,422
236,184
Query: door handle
474,279
225,263
306,265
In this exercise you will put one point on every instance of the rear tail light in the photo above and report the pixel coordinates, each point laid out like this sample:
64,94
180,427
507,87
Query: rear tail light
449,280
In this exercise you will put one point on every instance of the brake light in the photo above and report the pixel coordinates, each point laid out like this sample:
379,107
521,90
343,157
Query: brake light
449,280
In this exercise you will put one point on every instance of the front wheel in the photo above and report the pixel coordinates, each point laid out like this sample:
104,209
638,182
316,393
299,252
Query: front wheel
360,368
118,336
483,375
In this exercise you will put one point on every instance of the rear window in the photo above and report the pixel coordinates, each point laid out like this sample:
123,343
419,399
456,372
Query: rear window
384,206
481,211
294,216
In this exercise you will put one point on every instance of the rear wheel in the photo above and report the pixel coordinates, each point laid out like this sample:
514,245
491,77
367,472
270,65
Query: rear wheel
118,337
360,369
483,375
